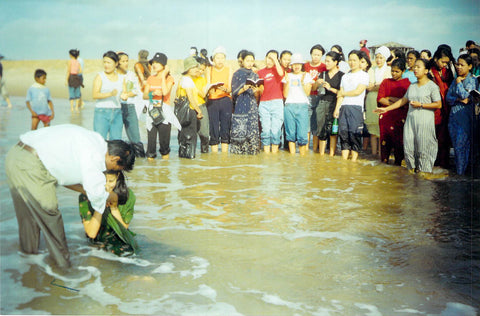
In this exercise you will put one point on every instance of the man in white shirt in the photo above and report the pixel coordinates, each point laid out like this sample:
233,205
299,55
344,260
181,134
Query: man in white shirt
67,155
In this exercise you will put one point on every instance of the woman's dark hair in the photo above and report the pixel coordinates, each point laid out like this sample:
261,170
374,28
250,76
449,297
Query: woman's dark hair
474,51
429,53
442,51
120,188
319,47
468,59
285,52
120,54
335,56
425,62
470,42
248,53
124,151
112,55
339,48
414,53
399,53
272,51
74,53
361,54
400,64
201,60
241,53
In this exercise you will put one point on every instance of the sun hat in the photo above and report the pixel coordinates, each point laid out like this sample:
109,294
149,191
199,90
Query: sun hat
219,50
159,58
297,59
189,63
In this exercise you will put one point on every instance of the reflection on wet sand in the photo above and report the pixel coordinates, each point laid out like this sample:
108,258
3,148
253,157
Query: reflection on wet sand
267,234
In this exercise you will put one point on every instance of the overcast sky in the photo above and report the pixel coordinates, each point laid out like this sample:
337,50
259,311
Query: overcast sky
47,29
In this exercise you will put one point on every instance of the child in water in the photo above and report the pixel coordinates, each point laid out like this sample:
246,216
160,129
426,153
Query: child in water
113,234
39,101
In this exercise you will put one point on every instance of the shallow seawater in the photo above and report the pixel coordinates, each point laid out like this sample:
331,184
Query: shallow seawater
257,235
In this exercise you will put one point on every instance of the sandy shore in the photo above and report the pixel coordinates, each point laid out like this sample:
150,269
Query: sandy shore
18,74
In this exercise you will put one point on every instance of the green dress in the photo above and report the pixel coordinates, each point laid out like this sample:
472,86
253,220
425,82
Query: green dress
112,236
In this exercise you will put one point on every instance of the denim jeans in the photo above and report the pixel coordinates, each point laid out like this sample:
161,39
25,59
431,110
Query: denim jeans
108,121
297,122
130,120
271,117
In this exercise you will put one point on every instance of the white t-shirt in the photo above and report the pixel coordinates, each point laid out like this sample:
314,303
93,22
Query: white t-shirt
73,155
350,82
131,82
296,93
187,82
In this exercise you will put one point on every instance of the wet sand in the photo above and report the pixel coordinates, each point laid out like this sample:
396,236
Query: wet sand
257,235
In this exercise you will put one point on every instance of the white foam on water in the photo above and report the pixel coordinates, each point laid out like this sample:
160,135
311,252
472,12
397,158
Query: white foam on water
458,309
349,189
372,310
166,267
96,291
181,303
100,253
323,235
199,268
409,311
274,299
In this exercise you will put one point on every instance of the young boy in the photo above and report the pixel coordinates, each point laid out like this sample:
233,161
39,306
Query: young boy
39,101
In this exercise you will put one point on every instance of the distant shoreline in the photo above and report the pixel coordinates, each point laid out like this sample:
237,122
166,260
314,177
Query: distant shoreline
18,74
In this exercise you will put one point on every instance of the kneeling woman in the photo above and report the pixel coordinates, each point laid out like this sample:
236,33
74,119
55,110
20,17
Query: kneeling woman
419,140
110,229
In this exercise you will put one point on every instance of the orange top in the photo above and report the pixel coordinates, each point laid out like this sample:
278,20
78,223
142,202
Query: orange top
156,83
219,76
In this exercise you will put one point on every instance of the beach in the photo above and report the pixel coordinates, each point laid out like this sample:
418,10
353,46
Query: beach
227,234
18,74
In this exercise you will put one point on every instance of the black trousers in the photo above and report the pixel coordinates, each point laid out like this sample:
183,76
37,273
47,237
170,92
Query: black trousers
163,131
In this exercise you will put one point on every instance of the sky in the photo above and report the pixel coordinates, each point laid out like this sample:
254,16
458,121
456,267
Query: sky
48,29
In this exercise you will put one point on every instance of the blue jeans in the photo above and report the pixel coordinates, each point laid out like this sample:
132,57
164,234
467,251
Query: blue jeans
130,120
271,117
107,120
297,122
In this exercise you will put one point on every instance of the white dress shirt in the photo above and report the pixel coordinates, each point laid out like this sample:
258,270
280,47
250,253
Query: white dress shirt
73,155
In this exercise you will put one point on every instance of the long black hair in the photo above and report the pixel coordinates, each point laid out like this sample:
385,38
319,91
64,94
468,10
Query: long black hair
120,188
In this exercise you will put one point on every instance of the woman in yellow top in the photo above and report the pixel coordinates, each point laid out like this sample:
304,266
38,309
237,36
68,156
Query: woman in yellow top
188,117
203,128
219,104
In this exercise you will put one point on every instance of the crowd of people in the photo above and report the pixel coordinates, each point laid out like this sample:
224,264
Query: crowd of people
417,105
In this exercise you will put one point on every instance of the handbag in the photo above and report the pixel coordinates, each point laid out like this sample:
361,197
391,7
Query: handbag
238,132
182,111
156,113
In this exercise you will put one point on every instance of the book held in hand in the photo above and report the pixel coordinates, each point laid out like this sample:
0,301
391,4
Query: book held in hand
475,94
214,85
255,83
